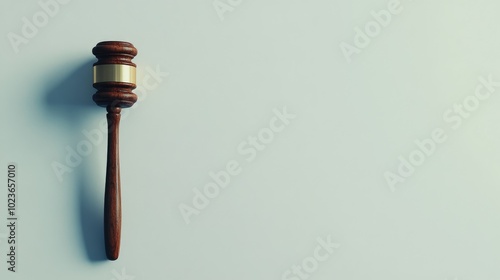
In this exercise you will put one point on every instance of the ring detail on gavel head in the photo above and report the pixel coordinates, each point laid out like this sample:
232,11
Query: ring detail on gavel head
114,73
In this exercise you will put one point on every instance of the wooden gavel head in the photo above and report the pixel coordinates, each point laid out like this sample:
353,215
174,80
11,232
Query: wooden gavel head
114,79
114,74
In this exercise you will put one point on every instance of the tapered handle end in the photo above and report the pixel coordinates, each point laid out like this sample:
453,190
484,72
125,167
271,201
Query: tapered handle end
112,221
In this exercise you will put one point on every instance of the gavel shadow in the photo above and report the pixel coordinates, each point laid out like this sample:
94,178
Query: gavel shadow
70,98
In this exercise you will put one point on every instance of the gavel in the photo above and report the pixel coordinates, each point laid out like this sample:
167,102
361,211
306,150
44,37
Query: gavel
114,79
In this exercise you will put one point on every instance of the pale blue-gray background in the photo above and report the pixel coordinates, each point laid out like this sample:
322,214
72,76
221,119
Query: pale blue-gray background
322,175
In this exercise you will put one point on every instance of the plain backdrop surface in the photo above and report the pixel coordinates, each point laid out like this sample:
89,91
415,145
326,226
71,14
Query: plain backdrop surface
213,74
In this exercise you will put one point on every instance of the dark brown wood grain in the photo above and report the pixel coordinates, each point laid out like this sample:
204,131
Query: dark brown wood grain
114,96
114,52
112,196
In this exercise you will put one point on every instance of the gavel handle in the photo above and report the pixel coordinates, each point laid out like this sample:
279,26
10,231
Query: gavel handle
112,197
